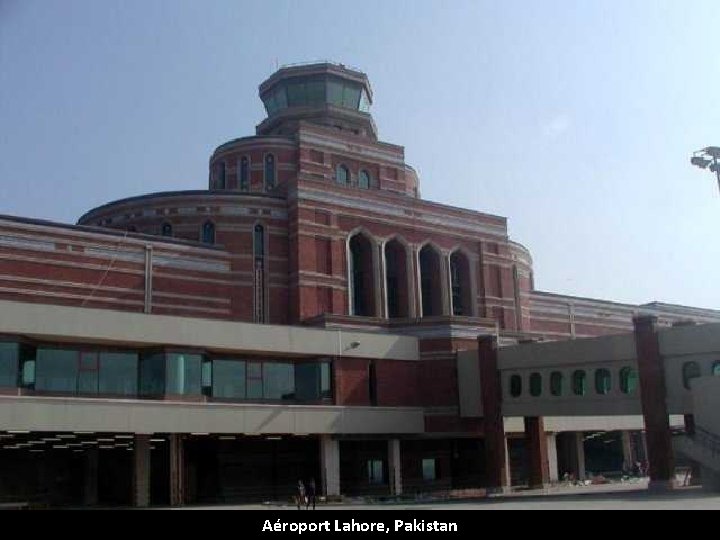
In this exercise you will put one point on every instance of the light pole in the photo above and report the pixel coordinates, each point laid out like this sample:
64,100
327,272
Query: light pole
709,156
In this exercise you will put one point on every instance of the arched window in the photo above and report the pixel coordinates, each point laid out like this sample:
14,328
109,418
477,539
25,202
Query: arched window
716,369
535,384
166,229
208,233
579,382
430,282
243,174
364,179
602,381
556,383
460,282
269,171
396,274
259,273
515,385
219,175
342,175
362,276
372,383
628,380
690,370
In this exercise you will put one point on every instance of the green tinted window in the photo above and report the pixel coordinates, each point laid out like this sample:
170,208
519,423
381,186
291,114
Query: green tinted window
278,380
579,383
183,374
628,380
335,93
515,385
118,373
56,370
351,97
535,384
602,381
556,383
9,360
228,379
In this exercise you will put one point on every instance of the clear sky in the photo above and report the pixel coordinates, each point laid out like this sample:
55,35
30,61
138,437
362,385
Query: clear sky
575,119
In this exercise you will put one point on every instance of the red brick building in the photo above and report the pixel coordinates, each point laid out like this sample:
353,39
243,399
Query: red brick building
310,259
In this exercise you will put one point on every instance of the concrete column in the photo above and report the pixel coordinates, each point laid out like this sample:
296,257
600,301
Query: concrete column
330,465
411,279
580,455
141,471
395,462
653,399
493,426
445,284
538,470
628,454
552,457
177,470
90,495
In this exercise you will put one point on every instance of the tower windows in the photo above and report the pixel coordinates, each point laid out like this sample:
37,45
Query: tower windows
166,229
342,175
270,174
259,311
243,174
208,232
364,179
219,175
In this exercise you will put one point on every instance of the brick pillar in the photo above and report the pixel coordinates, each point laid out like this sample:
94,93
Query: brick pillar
177,470
330,465
141,471
653,400
628,454
538,471
493,427
395,466
553,473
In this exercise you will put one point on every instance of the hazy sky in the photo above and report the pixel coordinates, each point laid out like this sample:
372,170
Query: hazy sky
575,119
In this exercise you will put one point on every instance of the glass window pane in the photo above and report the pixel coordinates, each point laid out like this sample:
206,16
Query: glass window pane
326,380
515,385
716,369
429,471
628,380
183,374
56,370
281,101
375,471
118,373
556,382
364,180
691,370
307,381
9,361
270,104
88,373
296,94
602,381
579,383
535,384
351,97
152,374
335,93
278,381
254,380
364,102
228,379
315,92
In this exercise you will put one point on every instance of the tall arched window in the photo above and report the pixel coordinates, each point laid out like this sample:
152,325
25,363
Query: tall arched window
269,171
342,175
208,233
430,282
362,276
579,382
364,179
690,371
628,380
259,273
167,229
219,175
460,281
243,174
556,383
602,381
396,275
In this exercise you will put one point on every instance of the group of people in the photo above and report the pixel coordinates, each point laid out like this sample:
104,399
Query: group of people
306,494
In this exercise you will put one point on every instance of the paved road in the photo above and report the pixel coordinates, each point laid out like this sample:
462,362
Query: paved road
580,498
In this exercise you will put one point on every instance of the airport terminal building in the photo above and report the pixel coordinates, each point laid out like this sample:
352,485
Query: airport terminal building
307,315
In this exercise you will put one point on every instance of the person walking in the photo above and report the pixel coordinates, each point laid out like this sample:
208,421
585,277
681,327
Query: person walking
300,497
311,493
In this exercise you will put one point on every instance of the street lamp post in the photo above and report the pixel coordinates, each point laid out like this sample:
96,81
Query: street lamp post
709,156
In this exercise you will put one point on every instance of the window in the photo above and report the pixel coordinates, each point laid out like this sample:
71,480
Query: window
167,229
312,381
515,385
690,370
183,375
254,380
56,370
206,377
372,383
269,171
556,383
208,233
535,384
342,175
579,383
219,175
375,471
628,380
228,379
429,469
243,174
364,180
602,381
278,380
9,361
118,373
152,374
716,369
